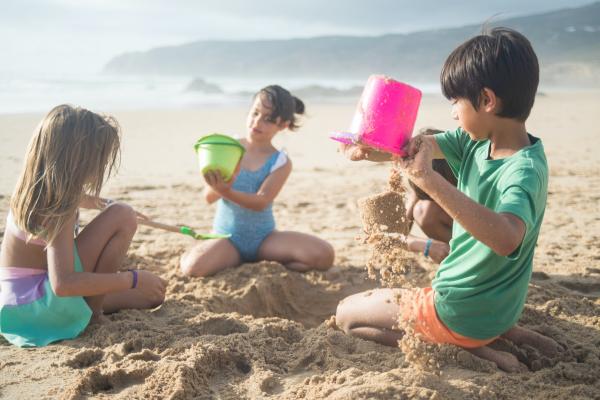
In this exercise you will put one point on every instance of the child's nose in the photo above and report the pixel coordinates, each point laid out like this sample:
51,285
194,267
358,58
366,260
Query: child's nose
454,114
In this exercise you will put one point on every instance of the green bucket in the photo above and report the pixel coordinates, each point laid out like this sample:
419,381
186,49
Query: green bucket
219,152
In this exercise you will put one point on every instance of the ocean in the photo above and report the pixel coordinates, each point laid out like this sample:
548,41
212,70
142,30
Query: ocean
106,93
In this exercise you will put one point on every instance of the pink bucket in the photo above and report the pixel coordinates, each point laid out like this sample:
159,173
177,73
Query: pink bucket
385,115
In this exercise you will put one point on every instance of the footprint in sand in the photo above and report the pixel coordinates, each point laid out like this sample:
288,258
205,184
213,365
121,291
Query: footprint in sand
84,359
109,383
584,288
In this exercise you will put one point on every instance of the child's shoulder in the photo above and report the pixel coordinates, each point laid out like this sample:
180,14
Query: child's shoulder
281,159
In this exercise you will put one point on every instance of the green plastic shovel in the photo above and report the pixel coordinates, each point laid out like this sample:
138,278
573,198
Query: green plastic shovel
186,230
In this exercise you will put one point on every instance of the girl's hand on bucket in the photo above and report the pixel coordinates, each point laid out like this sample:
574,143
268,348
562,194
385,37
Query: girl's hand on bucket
217,183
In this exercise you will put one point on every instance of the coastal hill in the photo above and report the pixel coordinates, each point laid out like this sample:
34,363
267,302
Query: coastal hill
567,43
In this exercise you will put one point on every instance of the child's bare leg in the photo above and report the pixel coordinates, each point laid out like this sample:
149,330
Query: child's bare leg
297,251
519,335
371,315
434,221
103,243
504,360
209,257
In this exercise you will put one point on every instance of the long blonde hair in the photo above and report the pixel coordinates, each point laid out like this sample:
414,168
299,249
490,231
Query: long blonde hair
72,152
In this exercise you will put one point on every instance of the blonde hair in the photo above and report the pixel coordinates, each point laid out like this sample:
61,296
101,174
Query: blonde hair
72,152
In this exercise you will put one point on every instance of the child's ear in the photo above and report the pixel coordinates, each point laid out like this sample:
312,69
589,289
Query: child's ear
489,100
284,124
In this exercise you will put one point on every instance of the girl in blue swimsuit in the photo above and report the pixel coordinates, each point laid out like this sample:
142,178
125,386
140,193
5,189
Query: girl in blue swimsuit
244,207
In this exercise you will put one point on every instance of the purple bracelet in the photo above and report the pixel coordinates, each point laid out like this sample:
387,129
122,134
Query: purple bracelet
135,276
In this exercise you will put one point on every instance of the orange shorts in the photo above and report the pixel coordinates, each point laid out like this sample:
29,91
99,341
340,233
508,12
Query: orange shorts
418,309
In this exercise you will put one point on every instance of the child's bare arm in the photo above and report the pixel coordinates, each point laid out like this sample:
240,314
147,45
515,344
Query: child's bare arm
502,232
210,195
66,282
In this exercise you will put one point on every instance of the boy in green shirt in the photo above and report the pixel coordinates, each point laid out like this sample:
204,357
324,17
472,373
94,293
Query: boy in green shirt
479,290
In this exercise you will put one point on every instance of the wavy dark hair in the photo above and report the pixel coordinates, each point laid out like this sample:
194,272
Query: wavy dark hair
284,105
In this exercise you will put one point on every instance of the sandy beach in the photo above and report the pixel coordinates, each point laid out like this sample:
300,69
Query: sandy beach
262,331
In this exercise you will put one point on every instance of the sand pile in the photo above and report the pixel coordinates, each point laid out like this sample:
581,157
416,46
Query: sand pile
385,227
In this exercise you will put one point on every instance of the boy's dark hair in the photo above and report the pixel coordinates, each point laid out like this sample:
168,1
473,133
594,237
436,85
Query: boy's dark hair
284,104
439,165
502,60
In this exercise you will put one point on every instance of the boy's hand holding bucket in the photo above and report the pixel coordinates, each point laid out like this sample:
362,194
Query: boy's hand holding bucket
417,163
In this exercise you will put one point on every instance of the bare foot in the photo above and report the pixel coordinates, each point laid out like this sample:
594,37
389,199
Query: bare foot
99,319
505,361
547,346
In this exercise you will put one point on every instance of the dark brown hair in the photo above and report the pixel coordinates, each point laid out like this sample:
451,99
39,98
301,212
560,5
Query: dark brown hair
500,59
283,104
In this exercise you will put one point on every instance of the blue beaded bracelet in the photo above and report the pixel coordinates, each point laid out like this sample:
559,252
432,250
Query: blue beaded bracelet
427,247
135,278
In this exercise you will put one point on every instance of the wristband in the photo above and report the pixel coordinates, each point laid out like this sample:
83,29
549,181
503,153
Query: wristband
135,278
427,247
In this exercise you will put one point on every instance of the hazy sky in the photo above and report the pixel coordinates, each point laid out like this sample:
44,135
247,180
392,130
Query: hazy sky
50,36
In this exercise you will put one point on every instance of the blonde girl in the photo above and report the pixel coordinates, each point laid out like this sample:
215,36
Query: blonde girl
52,280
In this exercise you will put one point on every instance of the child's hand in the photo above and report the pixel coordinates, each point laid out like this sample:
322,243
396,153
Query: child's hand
355,152
358,152
438,251
417,163
151,285
217,183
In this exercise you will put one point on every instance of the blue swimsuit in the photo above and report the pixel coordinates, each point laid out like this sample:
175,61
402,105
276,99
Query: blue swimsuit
248,228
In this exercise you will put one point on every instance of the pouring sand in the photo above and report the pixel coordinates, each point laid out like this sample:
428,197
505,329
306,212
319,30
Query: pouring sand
385,226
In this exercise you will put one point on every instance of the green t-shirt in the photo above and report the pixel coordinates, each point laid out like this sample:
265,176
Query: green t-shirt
480,294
